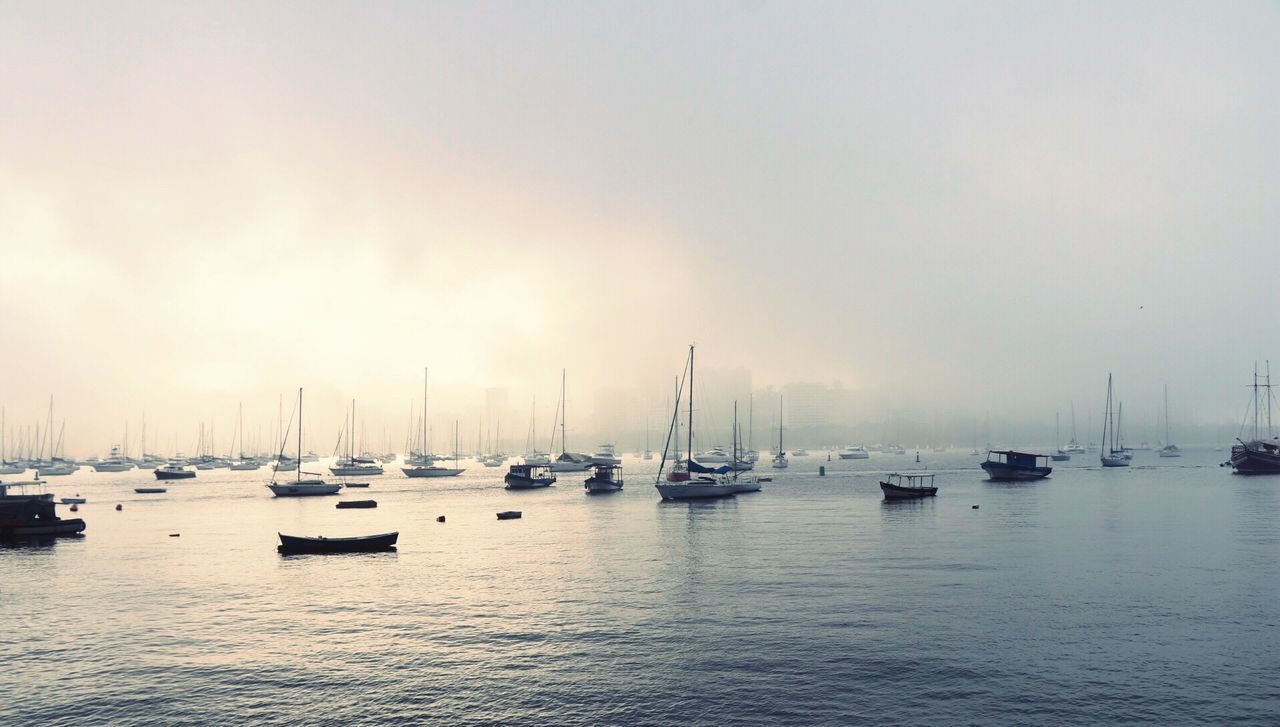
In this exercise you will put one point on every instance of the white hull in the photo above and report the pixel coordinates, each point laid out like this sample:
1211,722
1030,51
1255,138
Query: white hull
285,466
571,466
303,489
12,470
356,471
112,467
780,464
1114,461
603,459
693,490
246,466
746,486
431,471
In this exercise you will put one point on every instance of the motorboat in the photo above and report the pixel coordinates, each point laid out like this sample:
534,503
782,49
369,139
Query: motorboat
285,464
1009,466
116,462
800,452
173,471
529,477
537,458
893,449
858,452
26,514
909,486
293,544
605,454
715,455
606,478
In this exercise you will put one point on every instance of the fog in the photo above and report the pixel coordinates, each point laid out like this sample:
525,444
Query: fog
946,221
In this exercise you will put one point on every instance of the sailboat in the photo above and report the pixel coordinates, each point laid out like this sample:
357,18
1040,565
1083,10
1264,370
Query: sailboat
741,483
1112,455
243,464
1058,455
1259,455
567,461
7,467
300,487
780,459
681,484
1169,449
1073,447
350,465
429,468
532,456
648,453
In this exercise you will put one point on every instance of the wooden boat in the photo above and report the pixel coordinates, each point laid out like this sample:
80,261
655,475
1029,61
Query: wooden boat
355,484
606,478
358,504
320,544
529,476
149,490
1010,466
509,515
173,472
904,487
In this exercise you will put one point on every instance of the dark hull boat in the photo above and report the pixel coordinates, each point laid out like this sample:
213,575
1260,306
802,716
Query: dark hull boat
908,487
529,477
165,473
607,478
27,516
290,544
1259,457
1010,466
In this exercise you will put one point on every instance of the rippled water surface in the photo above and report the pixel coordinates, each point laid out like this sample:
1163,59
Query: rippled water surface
1143,595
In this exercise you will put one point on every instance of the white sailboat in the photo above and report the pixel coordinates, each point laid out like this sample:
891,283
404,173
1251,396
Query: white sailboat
350,465
567,461
1169,449
1112,454
7,467
428,468
780,459
741,483
244,464
681,484
300,487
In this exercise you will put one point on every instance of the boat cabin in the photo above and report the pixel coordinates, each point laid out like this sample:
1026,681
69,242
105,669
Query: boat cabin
1018,459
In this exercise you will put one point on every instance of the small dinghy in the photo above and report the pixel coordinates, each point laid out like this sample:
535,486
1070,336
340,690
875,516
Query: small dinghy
348,504
149,490
290,544
357,484
509,515
77,500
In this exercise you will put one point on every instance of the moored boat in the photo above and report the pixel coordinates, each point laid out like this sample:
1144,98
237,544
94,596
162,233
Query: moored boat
1010,466
24,514
300,487
606,478
1261,454
173,471
1113,453
902,487
529,477
858,452
294,544
681,484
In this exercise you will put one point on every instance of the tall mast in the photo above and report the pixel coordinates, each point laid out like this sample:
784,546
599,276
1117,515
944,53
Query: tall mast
751,413
425,374
564,406
690,402
1166,415
780,452
298,476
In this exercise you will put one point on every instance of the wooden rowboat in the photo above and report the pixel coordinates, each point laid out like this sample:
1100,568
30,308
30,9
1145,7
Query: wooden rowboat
290,544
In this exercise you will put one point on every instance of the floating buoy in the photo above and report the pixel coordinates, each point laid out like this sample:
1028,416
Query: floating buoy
119,507
174,535
440,519
75,508
822,470
509,515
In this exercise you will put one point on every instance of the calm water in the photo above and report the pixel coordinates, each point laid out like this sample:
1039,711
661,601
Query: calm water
1142,595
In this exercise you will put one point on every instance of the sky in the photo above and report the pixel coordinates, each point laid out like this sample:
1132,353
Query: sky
972,206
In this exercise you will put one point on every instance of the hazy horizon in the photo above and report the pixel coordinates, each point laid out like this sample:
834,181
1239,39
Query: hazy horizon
957,212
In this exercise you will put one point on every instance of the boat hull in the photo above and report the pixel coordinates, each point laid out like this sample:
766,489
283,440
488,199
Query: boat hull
515,482
42,528
1001,472
694,490
168,475
149,490
303,489
1255,458
1114,461
291,544
431,471
596,485
100,467
366,471
742,486
894,492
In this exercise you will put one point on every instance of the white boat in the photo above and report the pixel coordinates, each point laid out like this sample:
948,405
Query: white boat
605,454
427,466
682,484
537,458
1113,454
741,484
858,452
1169,449
893,449
300,487
800,452
780,455
350,465
244,464
285,464
115,462
715,455
8,467
566,461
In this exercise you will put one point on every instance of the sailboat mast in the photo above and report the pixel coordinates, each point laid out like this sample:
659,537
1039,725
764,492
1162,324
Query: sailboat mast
425,373
780,452
690,403
298,476
564,411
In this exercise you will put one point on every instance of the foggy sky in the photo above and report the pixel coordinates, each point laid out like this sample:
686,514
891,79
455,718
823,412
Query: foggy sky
972,207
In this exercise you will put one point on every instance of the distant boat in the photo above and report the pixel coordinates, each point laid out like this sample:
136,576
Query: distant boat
1058,455
780,459
606,478
567,461
1169,449
858,452
149,490
605,454
115,462
529,477
893,449
749,483
425,466
173,471
292,544
800,452
911,486
350,465
681,484
300,487
1113,454
1006,465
